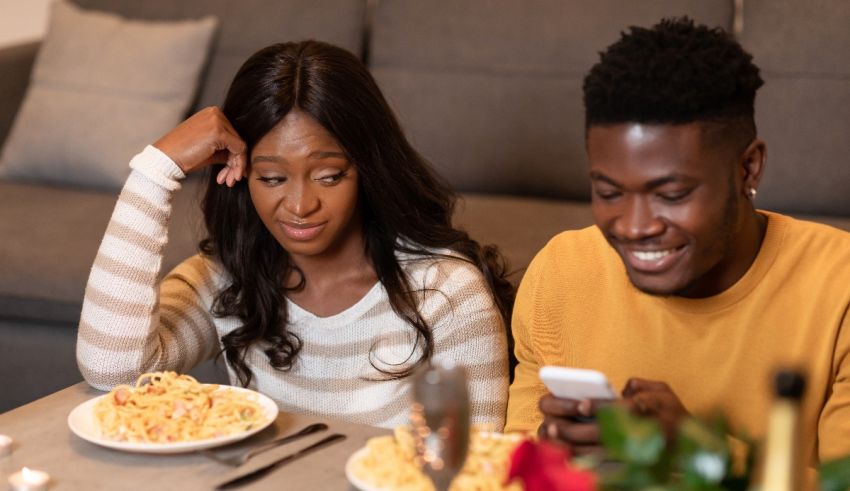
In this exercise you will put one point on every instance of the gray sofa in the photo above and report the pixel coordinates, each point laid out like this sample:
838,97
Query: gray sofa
488,90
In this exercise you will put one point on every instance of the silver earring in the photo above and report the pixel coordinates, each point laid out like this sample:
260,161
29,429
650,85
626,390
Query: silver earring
752,192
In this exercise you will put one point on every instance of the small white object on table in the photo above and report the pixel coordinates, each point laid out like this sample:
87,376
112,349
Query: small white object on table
29,480
5,445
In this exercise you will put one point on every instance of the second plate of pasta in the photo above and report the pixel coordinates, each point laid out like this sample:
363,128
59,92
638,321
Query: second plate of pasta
86,422
387,463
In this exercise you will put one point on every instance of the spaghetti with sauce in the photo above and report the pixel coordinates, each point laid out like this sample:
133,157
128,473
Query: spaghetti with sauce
165,407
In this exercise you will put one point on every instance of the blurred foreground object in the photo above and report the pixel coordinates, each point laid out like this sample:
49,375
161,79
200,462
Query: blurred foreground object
440,420
782,465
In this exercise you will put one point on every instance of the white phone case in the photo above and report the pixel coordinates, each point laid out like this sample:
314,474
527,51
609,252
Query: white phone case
576,383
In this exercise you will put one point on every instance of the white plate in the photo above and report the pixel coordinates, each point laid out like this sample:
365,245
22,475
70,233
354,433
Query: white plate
361,454
352,478
83,424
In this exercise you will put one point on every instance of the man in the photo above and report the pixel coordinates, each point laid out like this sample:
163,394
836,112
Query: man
683,294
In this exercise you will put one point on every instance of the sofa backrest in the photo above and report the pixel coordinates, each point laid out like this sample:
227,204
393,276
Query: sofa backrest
803,110
490,90
248,25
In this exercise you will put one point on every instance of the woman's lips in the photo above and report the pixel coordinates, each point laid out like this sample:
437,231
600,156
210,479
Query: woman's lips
653,261
302,231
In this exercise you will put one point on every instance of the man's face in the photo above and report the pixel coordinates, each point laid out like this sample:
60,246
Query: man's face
668,203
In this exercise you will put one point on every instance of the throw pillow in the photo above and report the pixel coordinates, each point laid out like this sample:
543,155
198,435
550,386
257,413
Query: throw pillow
101,89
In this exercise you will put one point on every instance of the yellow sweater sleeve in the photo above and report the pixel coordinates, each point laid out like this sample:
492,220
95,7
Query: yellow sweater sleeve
526,391
834,424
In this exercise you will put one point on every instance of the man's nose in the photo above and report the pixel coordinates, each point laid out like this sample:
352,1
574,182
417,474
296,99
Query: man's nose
301,200
637,220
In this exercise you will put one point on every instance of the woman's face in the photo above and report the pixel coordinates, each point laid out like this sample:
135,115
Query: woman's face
305,189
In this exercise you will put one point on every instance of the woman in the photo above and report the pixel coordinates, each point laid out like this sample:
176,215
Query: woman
331,269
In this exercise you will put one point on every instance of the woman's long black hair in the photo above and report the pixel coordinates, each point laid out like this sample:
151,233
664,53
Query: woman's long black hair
400,198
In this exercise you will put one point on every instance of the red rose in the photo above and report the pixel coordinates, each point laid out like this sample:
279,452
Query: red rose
545,467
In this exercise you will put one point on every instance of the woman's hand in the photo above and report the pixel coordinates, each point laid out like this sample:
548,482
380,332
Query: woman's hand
206,138
655,400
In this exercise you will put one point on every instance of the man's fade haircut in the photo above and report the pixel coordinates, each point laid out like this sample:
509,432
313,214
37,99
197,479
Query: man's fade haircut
674,73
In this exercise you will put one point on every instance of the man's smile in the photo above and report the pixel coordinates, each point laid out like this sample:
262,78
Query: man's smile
651,261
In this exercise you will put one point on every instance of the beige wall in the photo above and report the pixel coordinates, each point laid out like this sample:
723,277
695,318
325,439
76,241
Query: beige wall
22,20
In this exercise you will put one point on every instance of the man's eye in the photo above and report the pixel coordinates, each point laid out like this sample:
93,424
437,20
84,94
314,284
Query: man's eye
272,181
332,179
607,195
675,195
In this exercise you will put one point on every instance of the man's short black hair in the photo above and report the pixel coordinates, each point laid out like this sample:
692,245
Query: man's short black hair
674,73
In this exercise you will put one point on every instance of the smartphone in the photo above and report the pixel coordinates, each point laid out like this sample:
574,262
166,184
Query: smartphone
576,383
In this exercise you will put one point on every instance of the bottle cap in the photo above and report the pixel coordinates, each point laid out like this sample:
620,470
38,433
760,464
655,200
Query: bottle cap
789,384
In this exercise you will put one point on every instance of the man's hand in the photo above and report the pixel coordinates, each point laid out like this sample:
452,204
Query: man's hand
206,138
569,421
656,400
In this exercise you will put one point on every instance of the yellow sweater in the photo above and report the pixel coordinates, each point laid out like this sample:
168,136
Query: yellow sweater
576,307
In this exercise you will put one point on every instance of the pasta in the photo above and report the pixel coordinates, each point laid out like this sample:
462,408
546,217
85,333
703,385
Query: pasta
390,463
165,407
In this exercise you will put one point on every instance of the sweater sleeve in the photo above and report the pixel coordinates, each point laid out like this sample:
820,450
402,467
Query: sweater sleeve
469,332
527,389
834,424
132,322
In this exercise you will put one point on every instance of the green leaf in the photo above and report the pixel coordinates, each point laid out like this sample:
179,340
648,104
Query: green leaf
696,434
702,454
630,438
700,460
835,475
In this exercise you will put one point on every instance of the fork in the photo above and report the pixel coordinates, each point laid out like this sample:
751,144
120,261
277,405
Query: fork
237,460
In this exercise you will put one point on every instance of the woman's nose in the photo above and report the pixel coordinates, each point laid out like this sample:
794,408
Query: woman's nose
301,200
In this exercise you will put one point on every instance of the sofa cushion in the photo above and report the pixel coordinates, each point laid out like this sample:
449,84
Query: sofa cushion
16,62
50,238
803,110
248,25
102,87
490,91
519,226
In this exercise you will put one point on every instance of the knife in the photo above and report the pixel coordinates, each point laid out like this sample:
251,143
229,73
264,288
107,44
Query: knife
262,471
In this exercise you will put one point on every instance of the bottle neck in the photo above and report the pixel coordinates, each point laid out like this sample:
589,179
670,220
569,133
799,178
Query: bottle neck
782,461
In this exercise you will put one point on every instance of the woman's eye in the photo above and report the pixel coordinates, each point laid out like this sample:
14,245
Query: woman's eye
333,178
271,181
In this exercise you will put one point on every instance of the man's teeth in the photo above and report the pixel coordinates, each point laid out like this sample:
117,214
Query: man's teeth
651,255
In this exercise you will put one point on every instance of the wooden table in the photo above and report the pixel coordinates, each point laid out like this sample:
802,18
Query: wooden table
44,442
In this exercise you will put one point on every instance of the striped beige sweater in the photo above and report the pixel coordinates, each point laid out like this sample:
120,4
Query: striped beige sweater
132,322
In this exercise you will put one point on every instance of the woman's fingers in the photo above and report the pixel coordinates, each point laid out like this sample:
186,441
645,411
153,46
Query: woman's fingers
222,175
206,138
228,176
229,149
237,159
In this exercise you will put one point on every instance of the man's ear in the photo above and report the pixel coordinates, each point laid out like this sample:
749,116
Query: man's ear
752,164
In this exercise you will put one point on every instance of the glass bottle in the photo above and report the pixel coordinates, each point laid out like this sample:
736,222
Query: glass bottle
782,464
